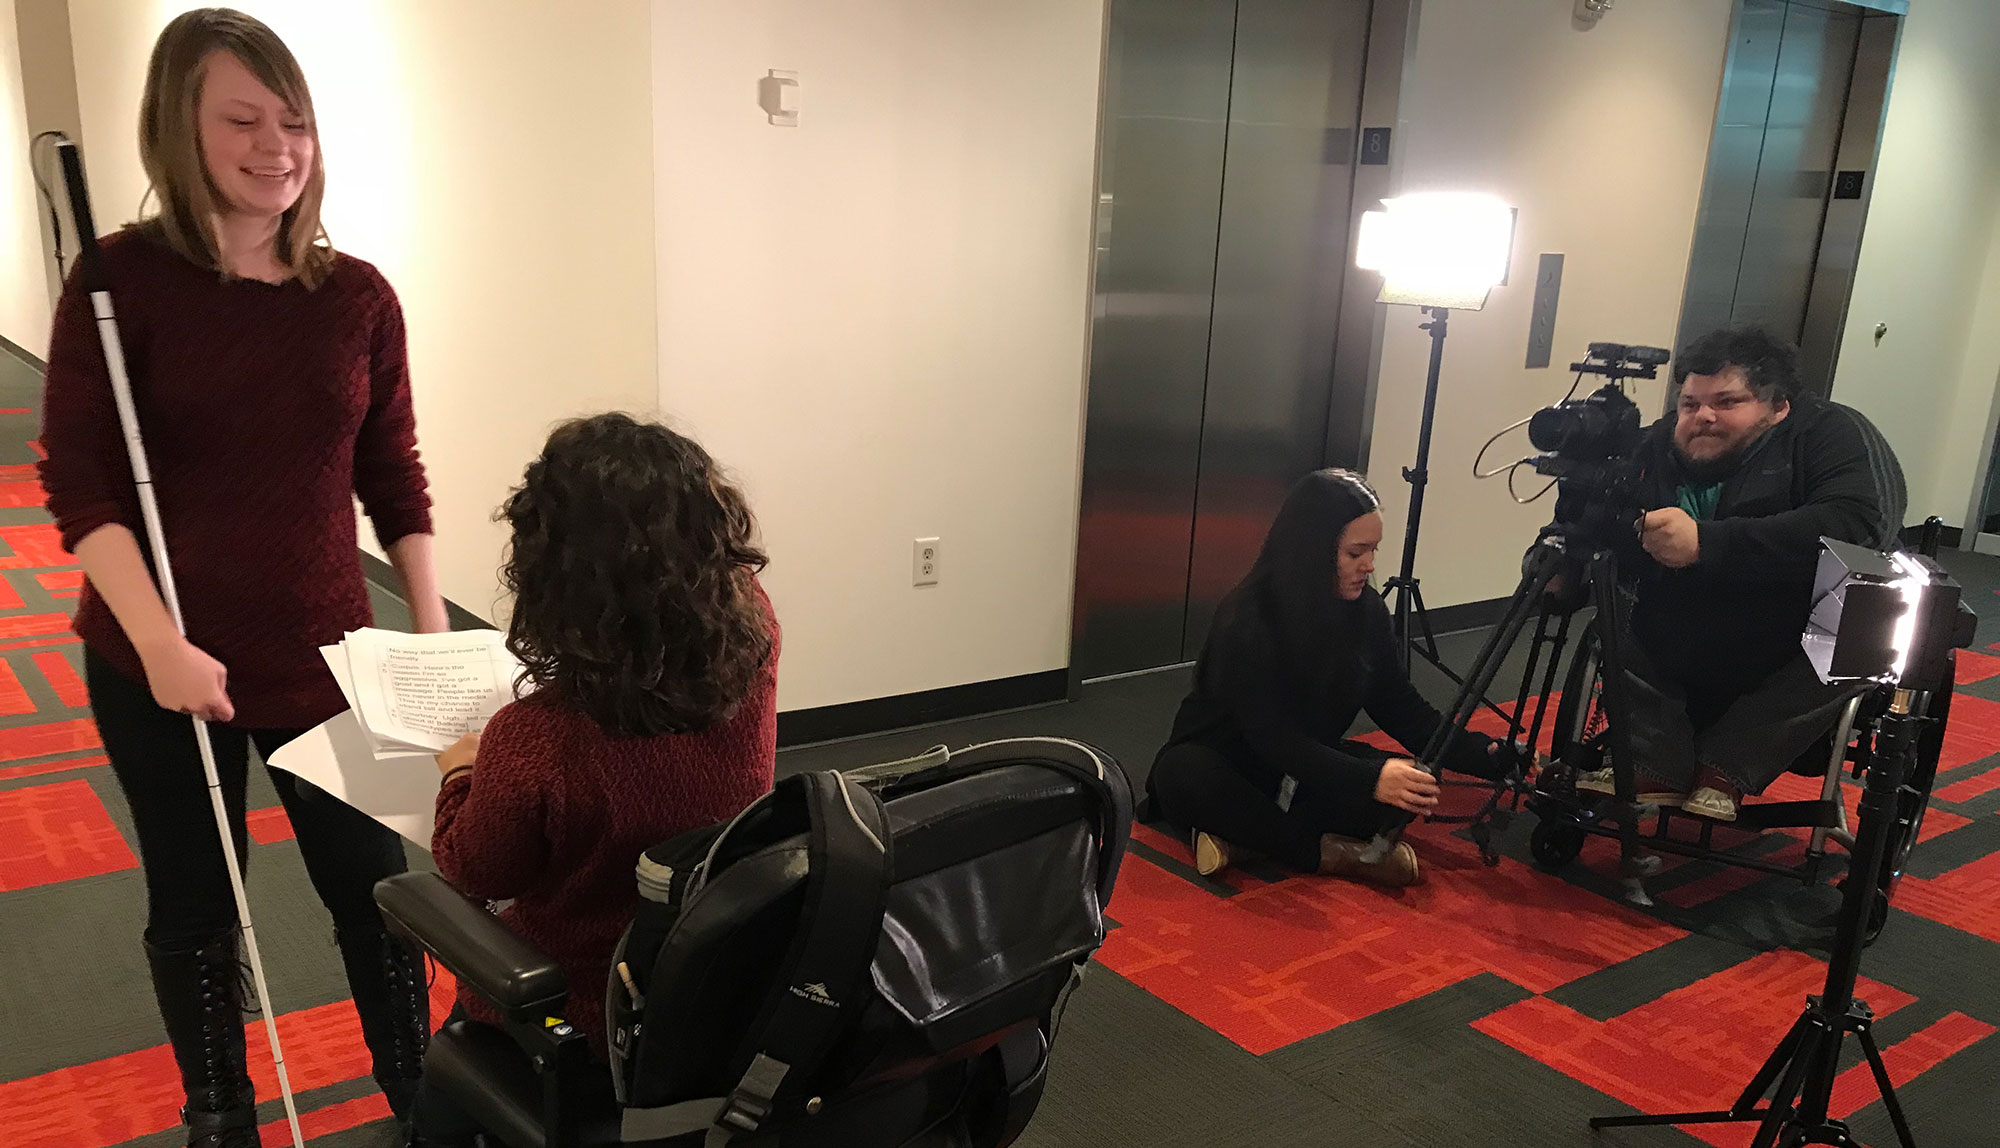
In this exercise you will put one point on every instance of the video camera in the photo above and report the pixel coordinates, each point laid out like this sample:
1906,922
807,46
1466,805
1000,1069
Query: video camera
1587,443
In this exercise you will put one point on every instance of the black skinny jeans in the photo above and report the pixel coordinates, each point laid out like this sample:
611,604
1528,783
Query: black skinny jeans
158,765
1198,787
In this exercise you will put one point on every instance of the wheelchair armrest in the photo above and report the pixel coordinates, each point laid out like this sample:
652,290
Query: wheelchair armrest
482,953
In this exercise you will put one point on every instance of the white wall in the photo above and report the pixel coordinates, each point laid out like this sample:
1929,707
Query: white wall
1509,98
1930,258
493,157
879,318
24,292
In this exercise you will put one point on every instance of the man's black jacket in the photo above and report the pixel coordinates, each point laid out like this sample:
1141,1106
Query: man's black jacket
1735,616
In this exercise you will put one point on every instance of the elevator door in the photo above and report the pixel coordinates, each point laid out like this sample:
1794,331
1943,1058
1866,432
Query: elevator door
1779,227
1224,216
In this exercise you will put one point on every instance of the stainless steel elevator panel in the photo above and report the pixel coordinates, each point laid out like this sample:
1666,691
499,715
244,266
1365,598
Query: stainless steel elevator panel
1795,170
1224,215
1840,233
1721,226
1803,94
1281,262
1166,116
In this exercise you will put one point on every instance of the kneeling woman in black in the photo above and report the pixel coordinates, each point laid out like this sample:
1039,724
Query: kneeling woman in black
1258,757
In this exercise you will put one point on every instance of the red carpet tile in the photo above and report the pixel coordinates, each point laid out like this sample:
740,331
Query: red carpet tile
139,1093
1281,962
34,625
33,546
62,677
1976,786
1665,1056
1967,898
326,1121
39,643
268,826
10,598
1972,733
69,583
56,737
14,699
1976,667
59,832
11,772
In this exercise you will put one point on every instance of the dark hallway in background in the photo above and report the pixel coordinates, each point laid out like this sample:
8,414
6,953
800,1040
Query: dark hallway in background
1228,357
1790,172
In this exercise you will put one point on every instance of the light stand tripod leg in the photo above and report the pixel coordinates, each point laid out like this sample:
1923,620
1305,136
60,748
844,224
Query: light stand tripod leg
1745,1109
1865,1033
1774,1065
1784,1102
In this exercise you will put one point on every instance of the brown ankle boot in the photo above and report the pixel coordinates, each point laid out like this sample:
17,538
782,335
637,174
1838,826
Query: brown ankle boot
1211,854
1341,857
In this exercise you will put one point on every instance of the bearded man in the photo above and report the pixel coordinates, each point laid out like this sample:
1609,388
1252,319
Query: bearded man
1740,484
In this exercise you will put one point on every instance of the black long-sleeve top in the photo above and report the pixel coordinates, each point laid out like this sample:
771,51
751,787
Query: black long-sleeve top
1243,708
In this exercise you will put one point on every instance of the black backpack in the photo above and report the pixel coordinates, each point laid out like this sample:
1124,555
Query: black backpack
876,958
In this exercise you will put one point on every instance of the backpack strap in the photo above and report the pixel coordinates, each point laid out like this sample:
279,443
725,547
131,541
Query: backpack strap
822,981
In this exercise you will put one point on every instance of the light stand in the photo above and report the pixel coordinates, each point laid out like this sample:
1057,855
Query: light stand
1807,1061
1894,619
1439,251
1404,591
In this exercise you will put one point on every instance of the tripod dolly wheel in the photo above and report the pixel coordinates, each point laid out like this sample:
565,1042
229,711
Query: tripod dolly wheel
1556,842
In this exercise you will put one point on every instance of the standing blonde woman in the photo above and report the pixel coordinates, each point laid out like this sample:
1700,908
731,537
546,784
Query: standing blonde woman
269,375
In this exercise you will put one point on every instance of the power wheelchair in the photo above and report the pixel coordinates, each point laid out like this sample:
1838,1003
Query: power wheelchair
861,960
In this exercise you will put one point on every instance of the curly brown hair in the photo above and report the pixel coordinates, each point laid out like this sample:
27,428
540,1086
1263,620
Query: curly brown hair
633,566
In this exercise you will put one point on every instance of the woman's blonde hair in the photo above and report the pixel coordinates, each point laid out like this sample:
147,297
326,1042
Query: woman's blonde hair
170,138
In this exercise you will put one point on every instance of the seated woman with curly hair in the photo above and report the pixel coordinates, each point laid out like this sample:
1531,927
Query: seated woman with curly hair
652,654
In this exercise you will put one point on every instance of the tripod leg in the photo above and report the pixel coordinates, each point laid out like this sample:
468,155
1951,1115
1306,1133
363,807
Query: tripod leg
1784,1102
1745,1108
1423,618
1401,589
1610,625
1773,1065
1486,666
1526,597
1867,1035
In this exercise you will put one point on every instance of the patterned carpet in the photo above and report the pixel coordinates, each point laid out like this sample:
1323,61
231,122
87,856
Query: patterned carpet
1488,1006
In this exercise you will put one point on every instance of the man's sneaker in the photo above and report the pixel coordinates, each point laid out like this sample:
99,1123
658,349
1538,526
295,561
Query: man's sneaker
1715,797
1711,803
1596,781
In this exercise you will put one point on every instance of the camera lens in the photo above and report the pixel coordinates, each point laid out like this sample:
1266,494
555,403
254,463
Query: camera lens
1570,426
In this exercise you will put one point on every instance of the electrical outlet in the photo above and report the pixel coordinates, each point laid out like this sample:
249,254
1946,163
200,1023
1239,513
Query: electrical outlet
924,562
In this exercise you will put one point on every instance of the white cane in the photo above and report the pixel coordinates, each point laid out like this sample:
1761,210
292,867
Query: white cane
90,272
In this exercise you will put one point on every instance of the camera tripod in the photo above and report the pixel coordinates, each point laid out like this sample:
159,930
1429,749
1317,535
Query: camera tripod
1550,560
1807,1060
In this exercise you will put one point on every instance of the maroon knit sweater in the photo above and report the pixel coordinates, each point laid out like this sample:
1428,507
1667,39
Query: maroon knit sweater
556,813
265,409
